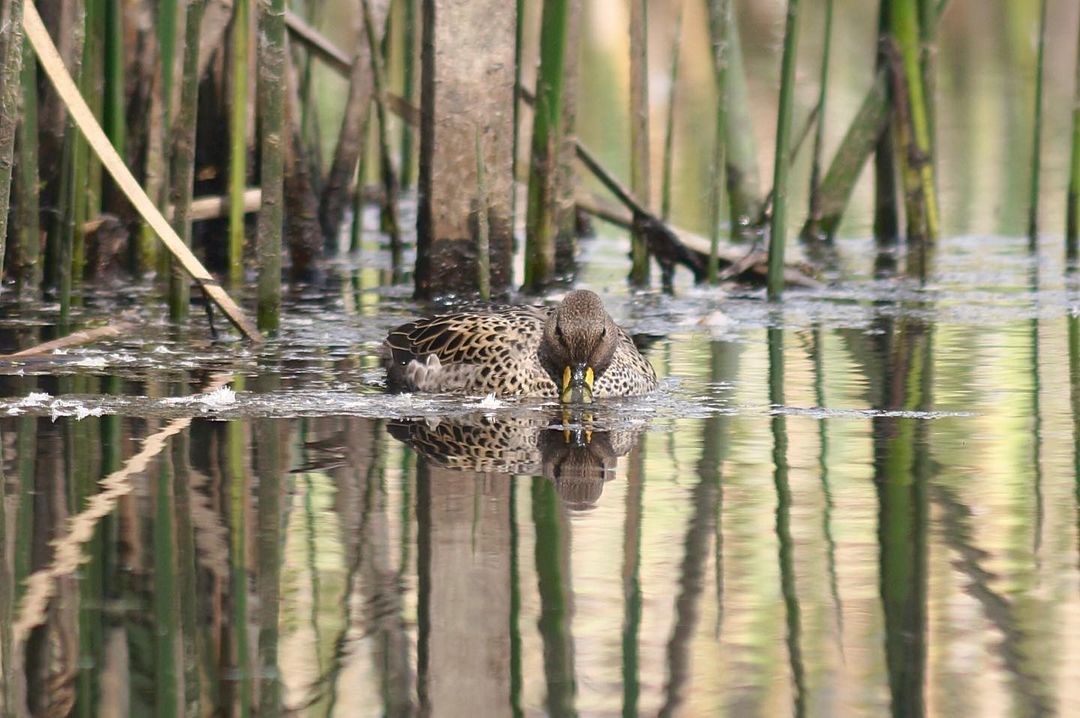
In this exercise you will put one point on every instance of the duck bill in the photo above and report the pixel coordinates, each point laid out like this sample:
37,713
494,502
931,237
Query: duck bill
577,384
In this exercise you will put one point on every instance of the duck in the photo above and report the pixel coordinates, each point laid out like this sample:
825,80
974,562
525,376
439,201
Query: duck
573,351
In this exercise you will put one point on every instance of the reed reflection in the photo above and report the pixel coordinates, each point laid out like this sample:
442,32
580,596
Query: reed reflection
901,472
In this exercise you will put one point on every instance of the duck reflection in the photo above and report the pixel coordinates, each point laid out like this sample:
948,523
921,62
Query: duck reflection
567,448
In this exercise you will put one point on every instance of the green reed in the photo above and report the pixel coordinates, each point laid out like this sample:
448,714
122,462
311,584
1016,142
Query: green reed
238,149
1036,137
542,225
782,163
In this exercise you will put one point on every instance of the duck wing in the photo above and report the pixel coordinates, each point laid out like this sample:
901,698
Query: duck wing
465,351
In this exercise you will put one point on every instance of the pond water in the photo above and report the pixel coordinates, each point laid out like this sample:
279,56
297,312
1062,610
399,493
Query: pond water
861,501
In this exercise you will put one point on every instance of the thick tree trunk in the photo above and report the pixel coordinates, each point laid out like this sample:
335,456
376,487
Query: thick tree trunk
467,101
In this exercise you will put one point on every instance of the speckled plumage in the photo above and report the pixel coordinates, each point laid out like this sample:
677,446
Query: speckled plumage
516,351
578,462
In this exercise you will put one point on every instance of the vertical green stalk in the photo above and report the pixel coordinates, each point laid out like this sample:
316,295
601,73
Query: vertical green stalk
271,101
1072,212
28,229
238,139
929,11
669,124
782,163
541,225
86,180
916,160
519,30
483,239
1036,138
183,164
720,18
408,88
639,134
819,131
72,182
9,113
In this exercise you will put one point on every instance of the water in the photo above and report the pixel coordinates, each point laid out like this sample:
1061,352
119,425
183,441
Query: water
863,501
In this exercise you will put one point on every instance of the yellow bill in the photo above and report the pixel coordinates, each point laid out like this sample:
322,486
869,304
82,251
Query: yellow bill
577,384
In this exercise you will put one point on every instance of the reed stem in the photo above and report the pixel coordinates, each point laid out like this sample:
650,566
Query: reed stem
1036,138
9,113
1072,211
183,164
916,160
819,133
669,124
114,114
782,163
886,207
408,87
390,223
541,225
719,18
272,102
238,112
639,134
28,231
741,153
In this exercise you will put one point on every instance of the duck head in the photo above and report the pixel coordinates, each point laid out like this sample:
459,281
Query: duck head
579,342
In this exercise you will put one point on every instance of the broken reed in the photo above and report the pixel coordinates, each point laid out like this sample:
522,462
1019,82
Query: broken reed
782,163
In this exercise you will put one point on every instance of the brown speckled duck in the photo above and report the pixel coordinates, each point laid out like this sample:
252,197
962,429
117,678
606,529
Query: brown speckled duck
573,351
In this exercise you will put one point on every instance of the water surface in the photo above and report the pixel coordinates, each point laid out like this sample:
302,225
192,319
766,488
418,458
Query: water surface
862,501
